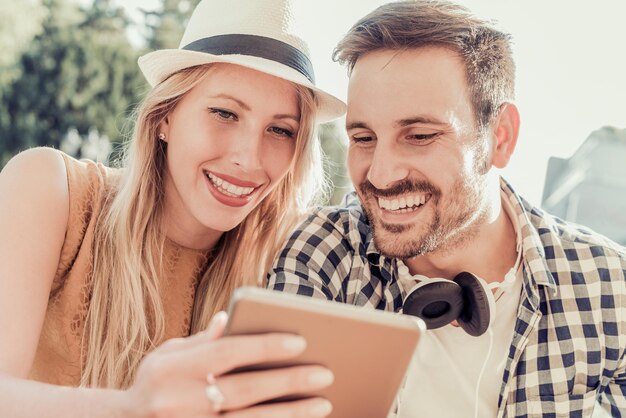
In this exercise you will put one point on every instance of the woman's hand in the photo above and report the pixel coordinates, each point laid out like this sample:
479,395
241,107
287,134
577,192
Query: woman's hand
172,380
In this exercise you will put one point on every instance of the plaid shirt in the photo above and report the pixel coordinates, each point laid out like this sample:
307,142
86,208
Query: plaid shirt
569,346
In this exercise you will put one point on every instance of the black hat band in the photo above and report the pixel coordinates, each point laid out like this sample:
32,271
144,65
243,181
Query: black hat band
257,46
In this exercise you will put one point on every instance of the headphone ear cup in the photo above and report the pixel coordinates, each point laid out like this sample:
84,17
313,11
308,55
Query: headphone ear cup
475,316
436,303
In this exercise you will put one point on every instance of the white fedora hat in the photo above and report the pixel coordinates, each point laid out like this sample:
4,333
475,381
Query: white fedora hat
258,34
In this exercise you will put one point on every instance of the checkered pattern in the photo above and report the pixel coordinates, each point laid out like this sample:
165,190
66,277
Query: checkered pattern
568,353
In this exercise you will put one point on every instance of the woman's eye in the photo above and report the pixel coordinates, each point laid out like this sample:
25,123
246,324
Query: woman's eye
281,132
222,114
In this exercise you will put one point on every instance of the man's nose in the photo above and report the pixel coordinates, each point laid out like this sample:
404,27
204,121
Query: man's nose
387,166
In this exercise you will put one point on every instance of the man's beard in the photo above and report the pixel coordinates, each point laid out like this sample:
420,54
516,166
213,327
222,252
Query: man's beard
439,233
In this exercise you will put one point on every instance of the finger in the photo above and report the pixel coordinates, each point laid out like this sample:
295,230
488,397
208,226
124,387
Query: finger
249,388
227,353
305,408
217,325
197,356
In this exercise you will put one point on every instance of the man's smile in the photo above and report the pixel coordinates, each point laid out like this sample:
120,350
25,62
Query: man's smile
403,204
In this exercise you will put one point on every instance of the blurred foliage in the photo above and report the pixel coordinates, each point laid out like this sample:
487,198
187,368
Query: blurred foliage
18,26
167,24
79,72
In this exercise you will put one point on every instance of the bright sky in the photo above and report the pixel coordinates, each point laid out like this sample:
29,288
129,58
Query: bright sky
571,69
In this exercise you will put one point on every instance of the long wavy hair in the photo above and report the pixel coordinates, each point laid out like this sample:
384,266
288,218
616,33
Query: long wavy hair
125,320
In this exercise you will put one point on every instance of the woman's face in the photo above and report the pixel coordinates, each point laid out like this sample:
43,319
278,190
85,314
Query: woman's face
230,141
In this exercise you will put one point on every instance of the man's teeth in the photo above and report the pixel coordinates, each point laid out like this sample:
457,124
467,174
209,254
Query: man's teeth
402,203
229,188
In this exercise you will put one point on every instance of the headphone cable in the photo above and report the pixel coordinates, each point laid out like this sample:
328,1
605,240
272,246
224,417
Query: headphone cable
482,372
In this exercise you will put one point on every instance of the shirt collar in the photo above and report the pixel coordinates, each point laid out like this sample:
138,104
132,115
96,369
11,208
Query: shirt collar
376,258
533,253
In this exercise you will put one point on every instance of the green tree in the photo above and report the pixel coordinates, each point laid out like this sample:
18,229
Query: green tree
18,26
166,25
79,73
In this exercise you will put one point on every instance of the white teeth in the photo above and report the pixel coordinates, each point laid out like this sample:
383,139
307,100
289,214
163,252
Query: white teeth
402,204
229,188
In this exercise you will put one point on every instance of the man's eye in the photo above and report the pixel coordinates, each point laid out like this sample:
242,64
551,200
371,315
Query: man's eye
422,137
222,114
281,132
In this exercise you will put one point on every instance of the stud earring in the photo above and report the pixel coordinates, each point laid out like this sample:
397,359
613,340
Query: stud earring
161,136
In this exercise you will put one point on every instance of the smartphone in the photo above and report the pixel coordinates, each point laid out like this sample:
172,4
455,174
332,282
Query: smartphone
368,351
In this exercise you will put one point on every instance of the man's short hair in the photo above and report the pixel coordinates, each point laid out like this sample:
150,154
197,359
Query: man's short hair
485,50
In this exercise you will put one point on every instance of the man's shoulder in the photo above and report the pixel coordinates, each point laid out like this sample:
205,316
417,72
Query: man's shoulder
575,243
346,219
349,206
571,234
556,235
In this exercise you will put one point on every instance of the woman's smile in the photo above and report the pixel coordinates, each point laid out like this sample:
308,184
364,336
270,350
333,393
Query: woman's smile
229,190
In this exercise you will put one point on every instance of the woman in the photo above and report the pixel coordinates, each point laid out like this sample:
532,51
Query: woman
99,267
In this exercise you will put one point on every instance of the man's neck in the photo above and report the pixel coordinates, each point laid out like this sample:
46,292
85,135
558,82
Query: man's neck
489,253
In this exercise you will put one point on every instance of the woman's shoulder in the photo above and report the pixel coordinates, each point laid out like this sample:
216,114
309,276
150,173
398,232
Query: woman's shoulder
44,167
38,174
35,160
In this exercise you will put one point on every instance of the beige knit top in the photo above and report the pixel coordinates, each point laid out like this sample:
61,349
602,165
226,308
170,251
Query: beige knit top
58,357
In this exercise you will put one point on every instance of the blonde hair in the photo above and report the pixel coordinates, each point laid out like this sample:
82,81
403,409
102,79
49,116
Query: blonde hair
125,319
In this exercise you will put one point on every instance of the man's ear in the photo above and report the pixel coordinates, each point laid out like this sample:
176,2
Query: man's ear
506,130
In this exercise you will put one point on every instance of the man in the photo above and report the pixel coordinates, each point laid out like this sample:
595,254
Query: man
430,118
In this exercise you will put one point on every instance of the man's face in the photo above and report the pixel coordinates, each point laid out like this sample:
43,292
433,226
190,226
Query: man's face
416,156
